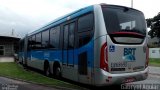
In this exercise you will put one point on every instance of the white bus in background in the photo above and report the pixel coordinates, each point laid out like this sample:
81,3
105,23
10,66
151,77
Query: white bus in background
98,45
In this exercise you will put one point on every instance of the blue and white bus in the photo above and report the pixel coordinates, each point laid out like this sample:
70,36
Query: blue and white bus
98,45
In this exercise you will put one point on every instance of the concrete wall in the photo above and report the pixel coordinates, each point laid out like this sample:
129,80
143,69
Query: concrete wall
6,59
154,52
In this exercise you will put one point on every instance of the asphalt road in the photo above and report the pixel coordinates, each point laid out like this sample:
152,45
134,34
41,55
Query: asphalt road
151,83
10,84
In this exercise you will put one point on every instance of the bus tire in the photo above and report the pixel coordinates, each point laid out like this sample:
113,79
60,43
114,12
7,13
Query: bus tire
24,64
46,69
57,71
21,62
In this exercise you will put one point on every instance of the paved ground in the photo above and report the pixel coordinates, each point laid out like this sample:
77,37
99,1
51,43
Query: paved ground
154,70
10,84
151,83
154,76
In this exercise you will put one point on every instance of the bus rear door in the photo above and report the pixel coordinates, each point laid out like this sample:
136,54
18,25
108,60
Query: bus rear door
68,68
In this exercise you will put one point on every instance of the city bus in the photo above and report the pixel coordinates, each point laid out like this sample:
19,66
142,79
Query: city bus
98,45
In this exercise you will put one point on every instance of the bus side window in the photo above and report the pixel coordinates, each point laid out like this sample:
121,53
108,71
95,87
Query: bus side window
45,39
85,23
29,43
33,41
38,41
71,35
54,37
84,40
85,29
65,40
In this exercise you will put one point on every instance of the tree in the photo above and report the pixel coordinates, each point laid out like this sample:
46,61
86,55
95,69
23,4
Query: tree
154,25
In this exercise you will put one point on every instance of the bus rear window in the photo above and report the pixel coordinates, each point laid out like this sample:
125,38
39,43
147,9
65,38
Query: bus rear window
122,19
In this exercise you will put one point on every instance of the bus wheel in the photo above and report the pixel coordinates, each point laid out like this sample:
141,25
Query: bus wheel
21,62
46,70
57,72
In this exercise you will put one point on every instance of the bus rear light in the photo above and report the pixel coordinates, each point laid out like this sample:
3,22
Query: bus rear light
147,57
109,79
104,57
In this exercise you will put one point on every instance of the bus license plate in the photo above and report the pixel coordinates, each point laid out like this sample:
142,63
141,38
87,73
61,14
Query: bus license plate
128,80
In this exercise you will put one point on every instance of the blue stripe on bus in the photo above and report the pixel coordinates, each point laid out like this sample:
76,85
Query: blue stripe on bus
56,55
63,19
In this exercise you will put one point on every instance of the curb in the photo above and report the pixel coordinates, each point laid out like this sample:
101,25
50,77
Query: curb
157,74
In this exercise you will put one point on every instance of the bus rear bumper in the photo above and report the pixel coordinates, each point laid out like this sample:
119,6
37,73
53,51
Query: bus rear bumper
104,78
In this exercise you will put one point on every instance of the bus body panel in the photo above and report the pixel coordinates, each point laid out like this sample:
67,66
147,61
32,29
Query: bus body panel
20,57
99,34
110,79
36,58
76,72
126,58
132,69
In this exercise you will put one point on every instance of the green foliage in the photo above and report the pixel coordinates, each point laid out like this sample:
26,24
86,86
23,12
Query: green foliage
154,62
154,25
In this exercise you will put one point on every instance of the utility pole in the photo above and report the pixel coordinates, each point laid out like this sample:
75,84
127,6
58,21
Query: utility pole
12,34
131,3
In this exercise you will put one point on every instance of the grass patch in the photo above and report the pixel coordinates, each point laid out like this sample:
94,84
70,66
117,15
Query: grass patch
13,70
154,62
